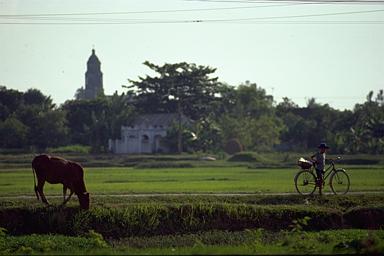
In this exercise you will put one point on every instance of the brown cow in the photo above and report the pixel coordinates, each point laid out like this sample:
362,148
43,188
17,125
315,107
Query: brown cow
58,170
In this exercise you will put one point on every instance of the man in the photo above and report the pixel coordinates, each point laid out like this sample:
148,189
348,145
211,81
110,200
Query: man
319,160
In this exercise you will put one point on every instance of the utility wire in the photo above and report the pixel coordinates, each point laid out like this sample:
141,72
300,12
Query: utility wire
91,18
283,19
302,16
146,12
277,3
292,1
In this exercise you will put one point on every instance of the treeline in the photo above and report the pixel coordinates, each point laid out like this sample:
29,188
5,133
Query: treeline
222,114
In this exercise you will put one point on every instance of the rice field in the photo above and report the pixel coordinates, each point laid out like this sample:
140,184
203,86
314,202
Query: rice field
124,180
200,210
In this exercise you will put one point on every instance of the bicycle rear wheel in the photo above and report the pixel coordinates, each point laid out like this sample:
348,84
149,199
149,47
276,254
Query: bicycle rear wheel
305,182
339,182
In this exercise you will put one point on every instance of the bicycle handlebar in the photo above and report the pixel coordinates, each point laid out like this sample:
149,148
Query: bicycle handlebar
333,160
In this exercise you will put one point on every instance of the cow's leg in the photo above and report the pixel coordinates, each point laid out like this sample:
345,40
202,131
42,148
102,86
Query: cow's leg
37,194
68,198
64,192
40,186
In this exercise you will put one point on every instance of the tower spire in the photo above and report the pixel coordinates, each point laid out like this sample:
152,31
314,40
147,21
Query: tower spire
93,77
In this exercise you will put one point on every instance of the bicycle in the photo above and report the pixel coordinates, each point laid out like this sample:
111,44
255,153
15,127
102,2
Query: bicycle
306,181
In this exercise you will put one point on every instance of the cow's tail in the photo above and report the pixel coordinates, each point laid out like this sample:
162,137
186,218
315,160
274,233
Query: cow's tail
34,182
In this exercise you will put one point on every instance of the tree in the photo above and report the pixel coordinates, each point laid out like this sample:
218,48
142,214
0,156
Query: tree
367,131
83,116
10,100
80,93
249,116
120,112
209,136
13,133
36,97
380,97
286,105
171,140
93,122
251,100
183,85
50,130
259,134
184,88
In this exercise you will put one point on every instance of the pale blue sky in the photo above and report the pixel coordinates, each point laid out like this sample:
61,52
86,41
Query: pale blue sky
336,58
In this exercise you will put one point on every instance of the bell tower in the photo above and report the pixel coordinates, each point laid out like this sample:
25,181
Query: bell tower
93,78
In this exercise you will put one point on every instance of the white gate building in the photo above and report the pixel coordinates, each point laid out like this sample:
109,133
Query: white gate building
145,134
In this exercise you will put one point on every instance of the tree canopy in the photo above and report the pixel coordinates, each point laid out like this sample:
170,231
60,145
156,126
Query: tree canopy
189,85
219,113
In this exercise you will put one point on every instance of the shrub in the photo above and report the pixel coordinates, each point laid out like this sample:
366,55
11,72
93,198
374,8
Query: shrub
233,146
70,149
147,165
366,217
51,245
243,157
160,219
252,157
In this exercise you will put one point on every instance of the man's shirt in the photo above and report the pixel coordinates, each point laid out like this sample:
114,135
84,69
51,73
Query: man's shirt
320,160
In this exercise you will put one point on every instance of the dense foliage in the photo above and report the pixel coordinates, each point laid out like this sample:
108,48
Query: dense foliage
30,119
220,113
162,219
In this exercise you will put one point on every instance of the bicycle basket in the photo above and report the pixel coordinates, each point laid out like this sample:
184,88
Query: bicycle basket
304,164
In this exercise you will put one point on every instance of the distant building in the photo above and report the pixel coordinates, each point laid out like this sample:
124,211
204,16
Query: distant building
145,134
93,79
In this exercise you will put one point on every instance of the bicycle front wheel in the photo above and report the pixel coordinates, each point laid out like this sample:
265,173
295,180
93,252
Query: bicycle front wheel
339,182
305,182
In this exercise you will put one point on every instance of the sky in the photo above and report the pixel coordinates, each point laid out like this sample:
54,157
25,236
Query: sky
331,51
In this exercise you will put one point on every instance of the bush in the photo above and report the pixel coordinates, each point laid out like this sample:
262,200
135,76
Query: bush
233,146
160,219
70,149
13,151
146,165
366,217
50,245
243,157
252,157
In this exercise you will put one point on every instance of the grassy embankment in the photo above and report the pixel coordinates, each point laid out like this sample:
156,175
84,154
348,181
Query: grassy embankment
193,224
247,242
197,224
250,159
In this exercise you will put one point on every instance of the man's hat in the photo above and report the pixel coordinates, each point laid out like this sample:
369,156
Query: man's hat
323,145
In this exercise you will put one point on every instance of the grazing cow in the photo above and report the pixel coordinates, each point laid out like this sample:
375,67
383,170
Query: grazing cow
58,170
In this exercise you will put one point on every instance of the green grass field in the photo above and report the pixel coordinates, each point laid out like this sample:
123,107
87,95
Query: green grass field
249,242
121,213
186,180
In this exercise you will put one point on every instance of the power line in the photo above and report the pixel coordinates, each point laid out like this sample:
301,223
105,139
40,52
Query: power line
146,12
309,22
265,19
302,16
277,3
292,1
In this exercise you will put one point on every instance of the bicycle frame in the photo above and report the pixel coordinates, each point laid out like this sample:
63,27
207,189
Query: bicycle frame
306,179
331,168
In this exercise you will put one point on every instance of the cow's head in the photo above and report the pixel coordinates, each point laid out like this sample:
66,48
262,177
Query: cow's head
84,200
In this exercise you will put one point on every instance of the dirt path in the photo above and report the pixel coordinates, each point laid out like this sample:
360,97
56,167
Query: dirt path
189,194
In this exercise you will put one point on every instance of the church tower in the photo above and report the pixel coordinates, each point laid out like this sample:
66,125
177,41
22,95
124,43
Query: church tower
93,78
